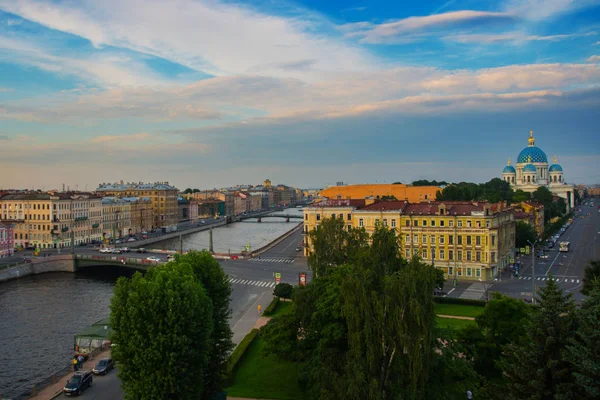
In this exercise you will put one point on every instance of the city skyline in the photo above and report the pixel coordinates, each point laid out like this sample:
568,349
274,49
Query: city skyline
303,93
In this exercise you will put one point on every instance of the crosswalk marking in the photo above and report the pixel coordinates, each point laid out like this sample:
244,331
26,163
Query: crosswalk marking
252,283
544,278
274,260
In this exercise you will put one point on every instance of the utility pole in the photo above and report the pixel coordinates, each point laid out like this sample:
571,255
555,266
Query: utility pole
532,271
210,243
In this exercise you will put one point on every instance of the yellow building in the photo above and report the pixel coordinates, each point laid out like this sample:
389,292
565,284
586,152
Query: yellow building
163,198
467,240
534,215
401,192
116,215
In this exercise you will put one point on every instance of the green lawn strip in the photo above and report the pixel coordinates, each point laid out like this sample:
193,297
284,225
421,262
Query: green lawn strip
282,308
453,323
265,377
458,310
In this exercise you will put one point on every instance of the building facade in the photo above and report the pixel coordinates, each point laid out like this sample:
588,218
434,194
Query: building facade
467,240
163,199
141,214
7,240
116,215
412,194
532,171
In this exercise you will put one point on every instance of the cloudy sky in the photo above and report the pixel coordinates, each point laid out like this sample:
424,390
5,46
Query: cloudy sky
214,93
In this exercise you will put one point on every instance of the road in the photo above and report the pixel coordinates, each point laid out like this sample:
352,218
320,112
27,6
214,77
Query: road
565,268
252,283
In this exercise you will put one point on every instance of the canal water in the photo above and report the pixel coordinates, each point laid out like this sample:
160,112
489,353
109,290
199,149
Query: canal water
39,315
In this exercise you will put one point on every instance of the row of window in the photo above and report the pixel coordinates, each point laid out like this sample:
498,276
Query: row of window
459,239
441,255
416,222
468,271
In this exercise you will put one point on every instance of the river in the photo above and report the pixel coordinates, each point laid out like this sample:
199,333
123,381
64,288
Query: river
39,315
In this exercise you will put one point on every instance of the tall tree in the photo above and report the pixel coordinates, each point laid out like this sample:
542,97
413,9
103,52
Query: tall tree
536,367
187,191
583,352
162,328
520,196
216,283
524,233
591,276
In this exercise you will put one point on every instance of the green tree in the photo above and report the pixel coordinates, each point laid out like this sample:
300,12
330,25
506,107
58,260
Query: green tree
216,283
439,278
591,277
535,368
583,352
424,182
388,197
162,329
520,196
187,191
196,191
524,233
283,290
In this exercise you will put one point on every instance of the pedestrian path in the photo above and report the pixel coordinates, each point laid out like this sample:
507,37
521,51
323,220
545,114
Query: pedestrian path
274,260
251,282
567,279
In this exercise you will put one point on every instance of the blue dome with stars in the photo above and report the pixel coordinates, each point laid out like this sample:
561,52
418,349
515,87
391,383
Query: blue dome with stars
532,154
529,168
555,168
509,169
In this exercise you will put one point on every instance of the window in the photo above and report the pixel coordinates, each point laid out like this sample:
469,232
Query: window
459,255
450,255
393,223
407,253
468,255
349,217
493,240
415,251
478,272
442,222
332,216
487,224
442,254
342,217
433,222
432,239
424,239
424,222
407,223
416,239
469,240
361,222
318,217
477,240
306,217
450,271
450,223
376,221
459,237
385,222
442,239
478,224
416,222
478,256
493,256
459,224
349,228
407,240
459,272
450,239
469,271
424,254
468,224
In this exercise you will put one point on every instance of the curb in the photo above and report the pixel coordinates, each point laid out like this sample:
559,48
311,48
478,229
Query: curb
55,395
277,241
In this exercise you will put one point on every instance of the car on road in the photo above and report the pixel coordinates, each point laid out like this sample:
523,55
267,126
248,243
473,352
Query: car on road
203,222
144,236
144,233
298,248
141,250
83,244
131,239
153,259
103,366
117,251
125,249
106,250
78,383
118,241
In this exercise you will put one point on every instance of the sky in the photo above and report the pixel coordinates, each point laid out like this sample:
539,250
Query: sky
306,93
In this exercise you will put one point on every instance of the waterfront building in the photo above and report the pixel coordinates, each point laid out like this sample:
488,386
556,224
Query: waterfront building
210,208
401,192
7,240
140,214
183,209
163,199
467,240
116,214
533,171
86,210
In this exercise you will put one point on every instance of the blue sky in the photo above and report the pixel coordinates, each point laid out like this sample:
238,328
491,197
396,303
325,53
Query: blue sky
215,93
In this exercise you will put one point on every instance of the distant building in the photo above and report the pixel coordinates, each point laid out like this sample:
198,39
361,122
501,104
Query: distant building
467,240
532,171
531,213
400,192
7,240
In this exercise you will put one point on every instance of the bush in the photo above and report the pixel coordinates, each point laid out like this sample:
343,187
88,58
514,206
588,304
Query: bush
454,300
283,290
238,353
271,307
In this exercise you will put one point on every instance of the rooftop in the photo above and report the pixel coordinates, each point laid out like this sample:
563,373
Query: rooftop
120,186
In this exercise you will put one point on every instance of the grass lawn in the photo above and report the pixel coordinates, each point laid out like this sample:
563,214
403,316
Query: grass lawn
257,376
281,308
458,309
456,324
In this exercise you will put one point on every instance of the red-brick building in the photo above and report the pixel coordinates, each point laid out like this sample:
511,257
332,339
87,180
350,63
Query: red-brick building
7,240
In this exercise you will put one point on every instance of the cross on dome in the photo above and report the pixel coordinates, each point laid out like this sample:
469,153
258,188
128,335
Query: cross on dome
531,140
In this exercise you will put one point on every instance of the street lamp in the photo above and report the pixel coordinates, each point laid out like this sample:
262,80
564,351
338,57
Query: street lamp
533,269
486,287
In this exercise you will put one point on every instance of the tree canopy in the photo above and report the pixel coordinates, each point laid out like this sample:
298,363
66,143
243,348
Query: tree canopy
493,191
591,277
524,233
424,182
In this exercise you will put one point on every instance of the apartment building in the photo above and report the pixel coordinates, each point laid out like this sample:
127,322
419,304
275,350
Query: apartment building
7,240
116,218
163,199
467,240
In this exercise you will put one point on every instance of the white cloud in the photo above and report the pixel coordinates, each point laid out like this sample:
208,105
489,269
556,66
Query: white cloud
393,31
217,38
121,138
538,10
516,37
593,59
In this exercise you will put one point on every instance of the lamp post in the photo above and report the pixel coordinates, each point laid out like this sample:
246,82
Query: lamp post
486,287
532,270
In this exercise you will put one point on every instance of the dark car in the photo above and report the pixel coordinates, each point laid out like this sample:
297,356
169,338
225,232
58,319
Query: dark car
83,244
103,366
78,383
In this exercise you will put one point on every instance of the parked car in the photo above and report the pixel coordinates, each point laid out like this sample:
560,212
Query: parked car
78,383
298,248
83,244
117,251
144,233
106,250
103,366
144,236
131,239
153,259
125,249
141,250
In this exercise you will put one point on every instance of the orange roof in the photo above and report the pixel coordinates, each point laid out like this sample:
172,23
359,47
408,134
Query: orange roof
413,194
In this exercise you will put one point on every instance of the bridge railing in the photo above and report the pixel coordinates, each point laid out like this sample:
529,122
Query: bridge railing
117,259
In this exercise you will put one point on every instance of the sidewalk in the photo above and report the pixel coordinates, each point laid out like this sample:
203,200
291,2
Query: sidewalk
51,391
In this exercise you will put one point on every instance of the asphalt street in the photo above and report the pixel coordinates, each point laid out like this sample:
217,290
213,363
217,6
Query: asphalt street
565,268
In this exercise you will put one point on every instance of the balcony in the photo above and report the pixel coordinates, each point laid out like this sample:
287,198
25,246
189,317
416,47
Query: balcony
65,229
81,219
95,225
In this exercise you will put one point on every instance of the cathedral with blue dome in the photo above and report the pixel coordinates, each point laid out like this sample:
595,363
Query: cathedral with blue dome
532,171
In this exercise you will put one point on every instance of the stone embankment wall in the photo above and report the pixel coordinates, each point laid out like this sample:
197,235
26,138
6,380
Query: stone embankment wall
59,263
